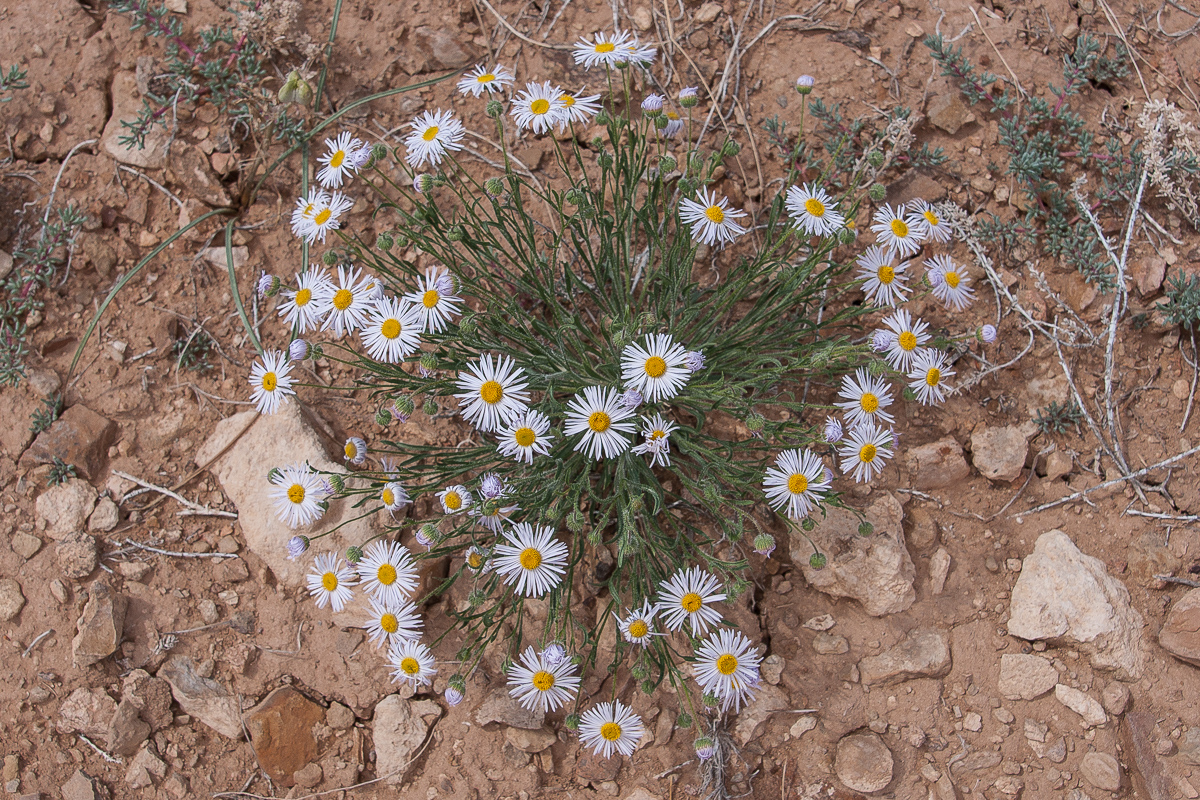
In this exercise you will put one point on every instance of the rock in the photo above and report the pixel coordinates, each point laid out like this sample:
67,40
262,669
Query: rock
208,611
939,570
767,700
876,570
65,507
1009,785
806,723
821,623
202,698
1066,597
528,741
143,768
399,728
1102,771
126,105
1024,677
43,381
946,110
641,794
230,570
80,437
100,626
999,453
76,555
58,590
978,761
281,731
79,787
499,706
105,517
1055,750
273,441
136,571
11,599
1148,274
920,529
771,669
308,777
6,259
1189,747
86,711
642,20
1180,634
26,545
924,652
708,12
430,49
864,763
1036,731
192,169
937,464
126,730
1115,698
973,721
12,768
150,695
1058,465
1146,556
339,717
1082,704
216,256
829,644
1003,716
592,768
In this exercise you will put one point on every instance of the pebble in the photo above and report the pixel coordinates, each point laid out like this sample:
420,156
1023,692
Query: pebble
973,722
939,570
1082,704
309,776
1102,771
924,652
829,644
105,516
806,723
864,763
26,545
64,508
999,453
821,623
58,590
1003,715
79,787
771,669
281,731
398,727
1180,634
208,611
1115,698
1025,676
100,626
339,717
76,555
11,599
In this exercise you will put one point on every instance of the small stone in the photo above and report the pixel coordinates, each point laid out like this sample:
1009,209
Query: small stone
973,722
126,106
771,669
1025,677
937,464
126,730
150,695
1083,705
978,761
79,787
946,110
1180,634
65,507
1003,715
100,626
26,545
593,768
499,706
12,768
202,697
1102,771
708,13
642,19
231,570
58,590
228,544
86,711
176,786
864,763
767,700
803,725
924,652
105,516
1058,465
939,570
999,453
530,741
1115,698
308,777
1009,785
80,437
11,599
281,731
920,529
144,767
133,570
208,611
339,717
830,644
821,623
398,728
76,555
1036,731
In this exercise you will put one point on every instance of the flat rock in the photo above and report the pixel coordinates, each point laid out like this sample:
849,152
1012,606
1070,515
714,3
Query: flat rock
876,570
864,763
26,545
339,717
65,507
767,700
79,787
399,728
1180,634
946,110
80,437
821,623
528,741
126,105
1082,704
1115,698
281,731
978,761
771,668
499,706
999,453
99,626
1066,597
920,529
1026,676
924,652
76,555
939,570
203,698
937,464
144,768
105,516
150,695
126,730
830,644
277,441
11,599
594,768
1102,771
86,711
435,49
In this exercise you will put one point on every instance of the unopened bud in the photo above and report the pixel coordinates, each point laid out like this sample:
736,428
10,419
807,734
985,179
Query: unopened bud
430,408
383,417
804,84
495,109
875,158
384,241
354,554
818,561
865,528
494,187
877,192
330,259
667,165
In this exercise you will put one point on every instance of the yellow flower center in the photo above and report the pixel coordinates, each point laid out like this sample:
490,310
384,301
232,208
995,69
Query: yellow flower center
567,100
814,207
389,623
655,367
389,497
715,214
638,628
610,731
727,664
907,340
599,421
386,574
351,450
390,328
531,558
656,435
342,299
324,216
430,133
269,382
899,228
337,159
296,493
866,453
886,274
539,106
691,602
869,403
672,115
410,666
452,501
605,47
303,297
329,581
430,298
491,392
933,377
474,560
930,217
543,681
488,78
952,279
797,483
308,210
525,436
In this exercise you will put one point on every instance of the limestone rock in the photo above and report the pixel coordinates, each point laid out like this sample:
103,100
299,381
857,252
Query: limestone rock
309,776
820,623
398,728
924,652
65,507
339,717
144,767
830,644
126,730
499,706
1066,597
1025,677
76,555
79,787
272,441
203,698
946,110
876,570
11,599
80,437
806,723
281,731
939,570
530,741
642,18
1102,771
1082,704
999,453
937,464
1180,634
594,768
767,700
105,516
920,529
126,105
100,626
431,49
864,763
86,711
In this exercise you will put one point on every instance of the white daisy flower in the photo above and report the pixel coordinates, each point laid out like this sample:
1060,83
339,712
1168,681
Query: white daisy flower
674,125
330,581
539,106
953,284
885,283
492,515
306,208
578,109
300,308
389,623
814,211
927,379
346,301
271,381
893,233
436,300
928,224
638,627
388,572
493,394
865,451
297,494
477,559
686,596
354,451
326,216
538,686
658,368
796,483
910,339
525,436
866,398
532,559
455,499
341,160
602,419
491,486
657,440
727,666
411,661
433,135
712,220
480,80
610,727
392,330
605,50
394,496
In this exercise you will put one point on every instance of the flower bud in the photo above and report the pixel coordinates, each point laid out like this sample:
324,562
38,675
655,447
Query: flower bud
755,422
683,720
494,187
554,654
877,192
865,528
693,360
379,152
571,723
706,748
476,598
764,544
710,700
430,408
881,340
383,417
875,159
495,109
603,118
833,430
337,483
660,123
403,407
688,98
354,554
667,165
573,196
453,695
456,233
330,259
274,476
606,160
730,149
295,89
468,324
428,361
987,334
384,241
808,525
818,561
423,182
575,521
296,546
652,105
268,285
804,84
